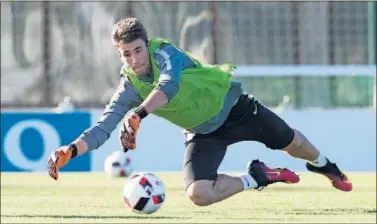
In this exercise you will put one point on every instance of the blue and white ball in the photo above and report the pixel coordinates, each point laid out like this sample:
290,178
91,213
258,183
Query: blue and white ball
118,164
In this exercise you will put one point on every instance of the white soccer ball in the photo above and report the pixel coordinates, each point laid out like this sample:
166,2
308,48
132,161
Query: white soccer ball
118,164
144,193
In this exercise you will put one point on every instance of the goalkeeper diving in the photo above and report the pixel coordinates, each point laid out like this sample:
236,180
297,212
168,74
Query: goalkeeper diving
159,78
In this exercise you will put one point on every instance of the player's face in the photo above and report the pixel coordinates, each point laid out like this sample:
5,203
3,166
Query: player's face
135,54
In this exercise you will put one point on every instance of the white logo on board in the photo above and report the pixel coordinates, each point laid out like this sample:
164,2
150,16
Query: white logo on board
12,141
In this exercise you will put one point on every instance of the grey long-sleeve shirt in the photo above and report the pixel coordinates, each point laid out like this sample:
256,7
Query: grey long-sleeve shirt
170,62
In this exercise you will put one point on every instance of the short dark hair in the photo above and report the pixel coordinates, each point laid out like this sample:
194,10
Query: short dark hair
128,30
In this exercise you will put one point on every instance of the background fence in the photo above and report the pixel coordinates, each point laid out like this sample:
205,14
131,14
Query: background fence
55,49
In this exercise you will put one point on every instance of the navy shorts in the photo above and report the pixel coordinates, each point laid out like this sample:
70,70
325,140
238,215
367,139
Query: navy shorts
248,120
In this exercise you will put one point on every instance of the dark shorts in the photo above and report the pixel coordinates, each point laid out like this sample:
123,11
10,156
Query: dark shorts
248,120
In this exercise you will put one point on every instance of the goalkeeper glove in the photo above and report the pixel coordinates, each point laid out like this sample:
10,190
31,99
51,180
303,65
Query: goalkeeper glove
130,128
60,158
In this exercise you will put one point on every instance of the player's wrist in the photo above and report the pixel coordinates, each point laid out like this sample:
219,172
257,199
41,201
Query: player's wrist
73,149
141,111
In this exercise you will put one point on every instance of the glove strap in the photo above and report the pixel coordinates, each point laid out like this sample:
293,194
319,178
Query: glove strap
73,148
141,111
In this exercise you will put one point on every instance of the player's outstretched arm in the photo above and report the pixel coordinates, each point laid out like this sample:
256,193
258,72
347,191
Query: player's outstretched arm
156,99
121,102
169,61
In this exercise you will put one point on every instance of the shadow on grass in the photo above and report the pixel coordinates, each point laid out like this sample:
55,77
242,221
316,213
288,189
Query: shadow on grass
311,189
335,211
94,217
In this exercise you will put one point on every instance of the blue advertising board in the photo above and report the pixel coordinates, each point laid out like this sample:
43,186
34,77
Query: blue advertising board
27,139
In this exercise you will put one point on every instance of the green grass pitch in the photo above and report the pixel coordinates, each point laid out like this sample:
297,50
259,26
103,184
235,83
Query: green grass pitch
97,198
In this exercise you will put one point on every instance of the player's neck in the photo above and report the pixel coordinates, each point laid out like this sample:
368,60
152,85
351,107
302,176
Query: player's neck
148,73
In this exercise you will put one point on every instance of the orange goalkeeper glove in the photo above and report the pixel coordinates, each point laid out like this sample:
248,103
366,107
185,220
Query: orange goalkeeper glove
60,158
129,132
131,127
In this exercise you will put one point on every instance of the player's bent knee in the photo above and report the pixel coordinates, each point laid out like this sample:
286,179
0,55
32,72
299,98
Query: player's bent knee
201,192
295,143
